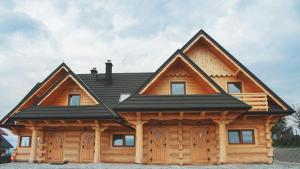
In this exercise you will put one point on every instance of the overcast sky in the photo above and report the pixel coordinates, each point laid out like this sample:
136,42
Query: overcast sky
36,36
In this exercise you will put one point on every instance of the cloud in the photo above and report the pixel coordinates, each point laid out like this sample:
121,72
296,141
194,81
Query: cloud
36,36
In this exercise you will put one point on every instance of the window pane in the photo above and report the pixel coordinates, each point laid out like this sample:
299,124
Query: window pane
247,136
234,87
118,140
25,142
233,137
178,88
74,100
129,140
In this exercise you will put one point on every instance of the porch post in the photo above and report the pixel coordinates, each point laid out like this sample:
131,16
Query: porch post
97,144
222,141
139,141
32,157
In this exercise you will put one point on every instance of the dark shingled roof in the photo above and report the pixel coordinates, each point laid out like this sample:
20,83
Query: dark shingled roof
121,83
4,143
182,102
65,112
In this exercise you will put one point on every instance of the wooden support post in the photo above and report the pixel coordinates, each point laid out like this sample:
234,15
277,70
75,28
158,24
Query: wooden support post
97,143
139,140
32,157
222,140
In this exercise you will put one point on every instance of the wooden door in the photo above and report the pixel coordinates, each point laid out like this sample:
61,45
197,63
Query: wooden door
199,140
87,147
55,150
158,145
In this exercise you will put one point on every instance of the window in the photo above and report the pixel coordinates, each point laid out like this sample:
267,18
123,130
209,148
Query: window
74,100
123,140
241,136
25,141
123,96
178,88
234,87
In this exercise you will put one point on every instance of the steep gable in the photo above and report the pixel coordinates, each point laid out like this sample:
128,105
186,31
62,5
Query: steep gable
41,90
59,95
219,63
180,67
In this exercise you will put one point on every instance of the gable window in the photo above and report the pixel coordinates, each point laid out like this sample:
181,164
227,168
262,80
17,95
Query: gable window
74,99
25,141
178,88
241,136
234,87
123,140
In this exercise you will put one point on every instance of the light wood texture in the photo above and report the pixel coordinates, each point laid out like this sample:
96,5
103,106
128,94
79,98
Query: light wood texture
178,61
60,96
258,101
97,144
33,150
87,147
206,60
179,73
139,141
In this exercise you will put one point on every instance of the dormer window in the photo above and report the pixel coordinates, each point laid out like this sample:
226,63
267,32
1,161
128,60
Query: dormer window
177,88
234,87
74,99
123,96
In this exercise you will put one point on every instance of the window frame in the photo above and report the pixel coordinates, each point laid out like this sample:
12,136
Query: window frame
177,82
69,99
231,82
240,131
124,140
20,141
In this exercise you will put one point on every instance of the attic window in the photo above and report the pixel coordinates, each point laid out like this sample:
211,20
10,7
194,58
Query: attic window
234,87
178,88
74,99
123,96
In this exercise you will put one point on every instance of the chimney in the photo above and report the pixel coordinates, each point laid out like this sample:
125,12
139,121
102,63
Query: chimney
94,72
108,73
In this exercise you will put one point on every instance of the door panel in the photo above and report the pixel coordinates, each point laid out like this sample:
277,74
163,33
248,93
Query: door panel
55,147
158,145
199,141
87,147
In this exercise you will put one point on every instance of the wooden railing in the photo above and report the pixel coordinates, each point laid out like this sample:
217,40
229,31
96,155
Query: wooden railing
258,101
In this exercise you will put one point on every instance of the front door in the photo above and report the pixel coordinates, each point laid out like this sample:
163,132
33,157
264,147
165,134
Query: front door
158,145
56,141
199,140
87,147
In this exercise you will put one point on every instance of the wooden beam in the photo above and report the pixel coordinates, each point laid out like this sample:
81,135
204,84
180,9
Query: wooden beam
181,115
97,143
222,142
202,114
139,139
32,157
237,72
160,114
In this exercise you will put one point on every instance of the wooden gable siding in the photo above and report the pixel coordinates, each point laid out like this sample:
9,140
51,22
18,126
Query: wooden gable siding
179,73
207,60
220,69
60,97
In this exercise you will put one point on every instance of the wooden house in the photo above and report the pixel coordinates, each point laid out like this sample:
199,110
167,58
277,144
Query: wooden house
201,106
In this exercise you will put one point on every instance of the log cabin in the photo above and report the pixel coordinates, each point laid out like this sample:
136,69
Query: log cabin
201,106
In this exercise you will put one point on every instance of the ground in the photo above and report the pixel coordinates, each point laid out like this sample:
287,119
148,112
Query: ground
286,158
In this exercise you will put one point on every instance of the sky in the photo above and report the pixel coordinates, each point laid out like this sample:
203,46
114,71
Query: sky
138,36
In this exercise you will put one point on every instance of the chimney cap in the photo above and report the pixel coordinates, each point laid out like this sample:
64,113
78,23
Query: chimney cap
94,70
